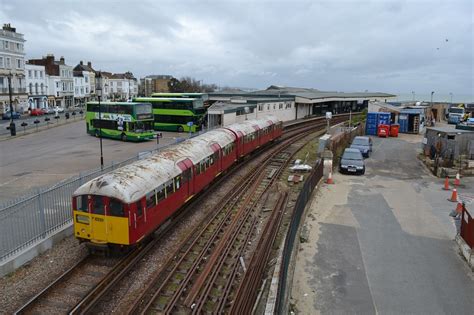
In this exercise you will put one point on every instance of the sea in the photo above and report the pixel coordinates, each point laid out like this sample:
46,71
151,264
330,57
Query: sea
455,98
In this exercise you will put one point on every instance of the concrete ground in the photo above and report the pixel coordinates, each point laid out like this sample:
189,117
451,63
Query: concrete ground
383,242
46,157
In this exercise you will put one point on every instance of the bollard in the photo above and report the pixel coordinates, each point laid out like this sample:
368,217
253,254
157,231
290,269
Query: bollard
36,122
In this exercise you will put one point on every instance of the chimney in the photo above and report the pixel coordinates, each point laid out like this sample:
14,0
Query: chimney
61,60
80,62
89,64
49,58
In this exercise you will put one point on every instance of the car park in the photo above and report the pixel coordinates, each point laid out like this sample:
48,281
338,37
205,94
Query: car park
7,115
363,144
352,162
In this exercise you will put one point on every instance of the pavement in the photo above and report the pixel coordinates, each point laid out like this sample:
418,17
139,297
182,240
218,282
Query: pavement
383,242
41,159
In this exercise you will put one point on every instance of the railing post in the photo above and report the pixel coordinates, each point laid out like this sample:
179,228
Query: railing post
41,213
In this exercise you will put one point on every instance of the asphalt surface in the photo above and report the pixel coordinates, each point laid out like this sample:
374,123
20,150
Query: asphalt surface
43,158
383,242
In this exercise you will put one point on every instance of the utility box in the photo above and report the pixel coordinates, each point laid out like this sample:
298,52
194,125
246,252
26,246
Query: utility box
323,143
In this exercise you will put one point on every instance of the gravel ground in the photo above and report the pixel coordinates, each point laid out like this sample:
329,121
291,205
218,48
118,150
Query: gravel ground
18,287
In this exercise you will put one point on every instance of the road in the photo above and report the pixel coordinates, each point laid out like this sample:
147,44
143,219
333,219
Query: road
46,157
383,242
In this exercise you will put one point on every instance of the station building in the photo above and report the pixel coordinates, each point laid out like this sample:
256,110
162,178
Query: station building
286,103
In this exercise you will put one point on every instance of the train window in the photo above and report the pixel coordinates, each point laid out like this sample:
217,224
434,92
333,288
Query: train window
150,199
208,162
116,208
169,188
81,203
177,182
98,206
139,208
160,193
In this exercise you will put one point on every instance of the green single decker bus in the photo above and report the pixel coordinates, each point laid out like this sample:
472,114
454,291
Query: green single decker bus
176,113
120,120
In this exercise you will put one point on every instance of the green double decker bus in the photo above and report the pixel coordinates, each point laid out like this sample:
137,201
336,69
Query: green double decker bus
176,113
203,96
120,120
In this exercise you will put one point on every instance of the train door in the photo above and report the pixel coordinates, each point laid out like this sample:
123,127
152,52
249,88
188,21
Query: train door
139,218
98,219
217,157
186,167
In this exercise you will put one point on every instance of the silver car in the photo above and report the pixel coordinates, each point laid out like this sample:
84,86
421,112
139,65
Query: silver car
363,144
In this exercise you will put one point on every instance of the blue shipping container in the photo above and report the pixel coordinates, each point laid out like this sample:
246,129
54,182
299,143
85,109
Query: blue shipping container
403,121
384,118
372,117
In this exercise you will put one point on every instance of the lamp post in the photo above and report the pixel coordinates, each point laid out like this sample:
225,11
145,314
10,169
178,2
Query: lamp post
12,124
98,90
432,92
451,95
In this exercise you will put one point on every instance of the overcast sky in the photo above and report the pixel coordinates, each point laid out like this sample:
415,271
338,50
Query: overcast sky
388,46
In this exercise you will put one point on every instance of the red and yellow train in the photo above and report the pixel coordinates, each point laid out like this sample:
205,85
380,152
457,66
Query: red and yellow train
122,207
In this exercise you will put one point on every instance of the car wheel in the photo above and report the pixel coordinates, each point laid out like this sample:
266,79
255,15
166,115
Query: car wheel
180,129
363,172
123,137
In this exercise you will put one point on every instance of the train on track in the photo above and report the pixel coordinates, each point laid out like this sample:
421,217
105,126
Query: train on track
121,208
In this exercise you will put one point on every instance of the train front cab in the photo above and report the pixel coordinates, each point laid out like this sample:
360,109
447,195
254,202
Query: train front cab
101,220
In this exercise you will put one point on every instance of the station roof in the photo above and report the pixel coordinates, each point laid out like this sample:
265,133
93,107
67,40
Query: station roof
449,130
228,107
306,93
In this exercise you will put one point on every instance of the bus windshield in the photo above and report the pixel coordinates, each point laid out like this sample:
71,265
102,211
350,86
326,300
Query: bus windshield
456,110
143,109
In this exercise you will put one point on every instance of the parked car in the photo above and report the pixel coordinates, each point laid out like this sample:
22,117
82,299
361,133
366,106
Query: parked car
59,109
364,144
50,111
37,112
352,162
7,115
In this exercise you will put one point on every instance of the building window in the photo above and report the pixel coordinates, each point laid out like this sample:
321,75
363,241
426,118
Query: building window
57,84
18,47
29,74
31,88
5,44
1,62
42,91
36,74
280,106
36,88
86,78
41,74
1,81
260,108
8,63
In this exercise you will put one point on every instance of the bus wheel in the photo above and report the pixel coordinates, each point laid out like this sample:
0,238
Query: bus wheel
180,129
123,137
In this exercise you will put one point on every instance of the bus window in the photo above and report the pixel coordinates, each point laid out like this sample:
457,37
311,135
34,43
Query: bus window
82,204
98,206
116,208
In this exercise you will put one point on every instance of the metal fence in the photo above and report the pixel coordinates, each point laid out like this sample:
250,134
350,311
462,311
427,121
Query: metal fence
41,213
467,227
303,197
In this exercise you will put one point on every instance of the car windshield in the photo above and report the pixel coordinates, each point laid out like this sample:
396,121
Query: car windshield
360,142
456,110
352,156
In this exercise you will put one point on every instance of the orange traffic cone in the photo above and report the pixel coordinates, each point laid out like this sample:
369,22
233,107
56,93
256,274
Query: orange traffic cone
330,181
446,184
454,196
457,180
459,207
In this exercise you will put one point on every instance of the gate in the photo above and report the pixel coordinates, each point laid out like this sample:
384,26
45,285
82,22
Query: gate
467,227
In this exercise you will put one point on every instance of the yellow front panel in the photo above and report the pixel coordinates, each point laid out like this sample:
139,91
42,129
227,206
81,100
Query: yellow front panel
101,229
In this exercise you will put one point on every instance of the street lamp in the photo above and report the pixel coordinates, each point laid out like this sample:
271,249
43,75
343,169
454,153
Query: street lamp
451,95
12,124
98,90
432,92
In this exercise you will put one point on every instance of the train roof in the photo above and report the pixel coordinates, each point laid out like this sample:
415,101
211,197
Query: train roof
129,183
248,126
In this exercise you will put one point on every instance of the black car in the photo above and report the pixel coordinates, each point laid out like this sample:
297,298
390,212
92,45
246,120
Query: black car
364,144
352,162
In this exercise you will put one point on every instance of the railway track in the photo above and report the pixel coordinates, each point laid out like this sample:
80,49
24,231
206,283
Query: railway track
201,276
179,288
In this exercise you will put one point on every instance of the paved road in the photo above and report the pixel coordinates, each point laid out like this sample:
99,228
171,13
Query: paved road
44,158
383,243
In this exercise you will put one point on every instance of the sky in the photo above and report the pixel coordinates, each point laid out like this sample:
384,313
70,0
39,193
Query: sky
385,46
